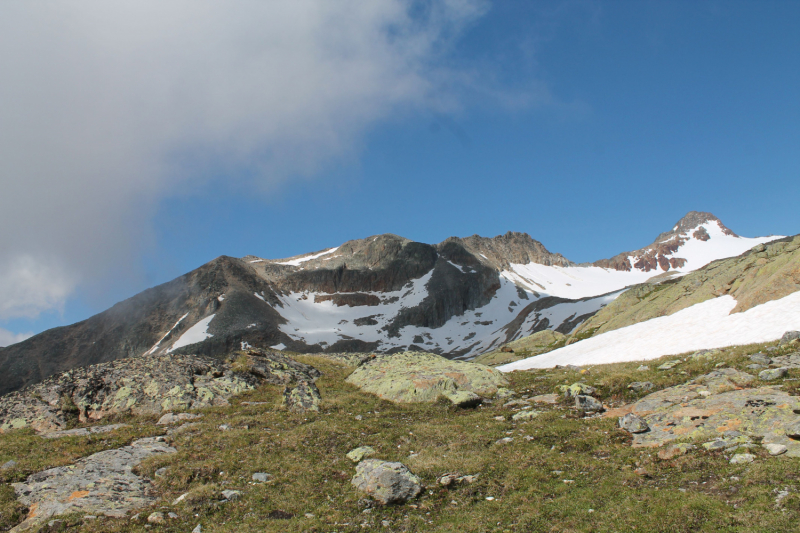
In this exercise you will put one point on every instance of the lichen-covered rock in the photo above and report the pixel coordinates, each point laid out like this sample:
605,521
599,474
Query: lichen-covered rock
142,385
790,336
301,397
772,374
571,391
588,404
525,416
641,386
463,398
633,423
716,406
102,483
423,377
386,482
760,359
360,453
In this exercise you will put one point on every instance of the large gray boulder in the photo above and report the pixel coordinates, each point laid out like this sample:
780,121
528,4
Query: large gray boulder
423,377
386,482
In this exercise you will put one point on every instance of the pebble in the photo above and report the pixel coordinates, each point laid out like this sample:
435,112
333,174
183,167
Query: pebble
643,368
198,529
504,440
309,515
261,477
8,465
742,458
172,515
231,495
224,427
775,449
180,498
155,518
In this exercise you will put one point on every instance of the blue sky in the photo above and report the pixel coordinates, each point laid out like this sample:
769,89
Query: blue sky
592,126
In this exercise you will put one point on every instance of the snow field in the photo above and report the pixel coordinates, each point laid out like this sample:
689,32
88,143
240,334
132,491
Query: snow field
705,325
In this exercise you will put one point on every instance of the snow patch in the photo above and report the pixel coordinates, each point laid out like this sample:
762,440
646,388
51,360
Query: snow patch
297,262
193,335
257,261
280,346
706,325
259,297
156,345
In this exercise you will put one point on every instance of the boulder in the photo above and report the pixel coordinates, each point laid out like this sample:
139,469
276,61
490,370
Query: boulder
790,336
633,423
571,391
641,386
742,458
301,397
171,418
772,374
360,453
775,449
525,416
588,404
674,450
463,398
422,377
761,359
546,398
386,482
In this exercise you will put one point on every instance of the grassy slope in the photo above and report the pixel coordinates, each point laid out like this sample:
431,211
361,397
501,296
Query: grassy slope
306,454
539,342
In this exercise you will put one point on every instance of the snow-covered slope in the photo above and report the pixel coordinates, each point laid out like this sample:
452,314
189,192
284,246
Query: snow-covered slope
690,249
703,326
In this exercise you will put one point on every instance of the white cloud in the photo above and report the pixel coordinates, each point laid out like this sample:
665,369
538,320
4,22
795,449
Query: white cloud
29,286
7,338
110,106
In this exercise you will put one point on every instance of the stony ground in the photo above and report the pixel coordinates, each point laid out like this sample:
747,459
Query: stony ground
255,465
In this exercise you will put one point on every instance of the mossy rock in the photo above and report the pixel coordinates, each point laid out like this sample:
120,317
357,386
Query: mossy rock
411,377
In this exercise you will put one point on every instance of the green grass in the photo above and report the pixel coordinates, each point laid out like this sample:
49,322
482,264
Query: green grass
306,455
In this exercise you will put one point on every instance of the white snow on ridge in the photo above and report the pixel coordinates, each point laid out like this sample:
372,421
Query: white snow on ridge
700,253
297,262
580,282
193,335
702,326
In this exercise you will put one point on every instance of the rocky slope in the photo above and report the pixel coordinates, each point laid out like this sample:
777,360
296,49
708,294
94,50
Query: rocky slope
385,293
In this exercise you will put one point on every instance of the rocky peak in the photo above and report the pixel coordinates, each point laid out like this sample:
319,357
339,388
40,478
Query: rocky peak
690,222
661,254
513,247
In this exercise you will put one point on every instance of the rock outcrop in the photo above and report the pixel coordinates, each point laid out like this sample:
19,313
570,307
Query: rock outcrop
100,484
144,385
716,407
423,377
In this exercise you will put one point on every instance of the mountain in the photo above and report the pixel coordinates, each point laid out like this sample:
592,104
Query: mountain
385,293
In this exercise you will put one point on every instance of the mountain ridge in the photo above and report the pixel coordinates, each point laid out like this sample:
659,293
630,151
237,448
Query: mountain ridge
384,293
